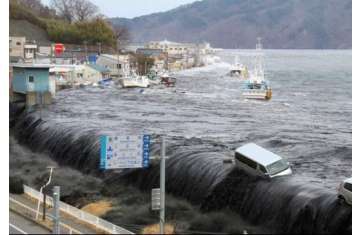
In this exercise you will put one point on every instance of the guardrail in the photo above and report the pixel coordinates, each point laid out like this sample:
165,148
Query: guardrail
31,214
79,214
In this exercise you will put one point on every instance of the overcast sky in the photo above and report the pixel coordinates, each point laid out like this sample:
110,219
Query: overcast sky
133,8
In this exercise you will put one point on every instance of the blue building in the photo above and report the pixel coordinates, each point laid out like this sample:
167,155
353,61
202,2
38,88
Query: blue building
32,78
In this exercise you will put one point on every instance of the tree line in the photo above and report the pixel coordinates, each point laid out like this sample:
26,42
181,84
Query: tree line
70,21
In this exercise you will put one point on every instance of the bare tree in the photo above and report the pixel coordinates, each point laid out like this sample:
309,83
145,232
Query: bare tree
85,10
75,10
122,36
64,8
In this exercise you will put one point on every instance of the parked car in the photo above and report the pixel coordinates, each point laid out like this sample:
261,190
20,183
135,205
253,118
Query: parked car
345,191
261,162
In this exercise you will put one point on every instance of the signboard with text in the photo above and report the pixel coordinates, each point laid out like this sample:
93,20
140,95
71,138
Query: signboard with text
129,151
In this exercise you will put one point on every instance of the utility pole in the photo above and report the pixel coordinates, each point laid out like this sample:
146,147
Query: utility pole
86,56
162,186
56,200
99,48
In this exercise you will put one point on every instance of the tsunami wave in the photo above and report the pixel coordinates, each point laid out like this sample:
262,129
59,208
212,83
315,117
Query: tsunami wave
195,171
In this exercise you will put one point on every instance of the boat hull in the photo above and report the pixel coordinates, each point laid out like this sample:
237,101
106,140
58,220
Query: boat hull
134,83
258,94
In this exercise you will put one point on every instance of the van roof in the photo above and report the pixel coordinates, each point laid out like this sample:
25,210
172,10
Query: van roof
258,154
349,180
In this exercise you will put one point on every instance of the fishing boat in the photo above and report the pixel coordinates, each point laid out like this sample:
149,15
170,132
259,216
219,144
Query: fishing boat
257,87
167,80
239,70
153,77
255,90
133,80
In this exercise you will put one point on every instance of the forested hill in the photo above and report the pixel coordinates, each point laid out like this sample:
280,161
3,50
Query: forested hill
317,24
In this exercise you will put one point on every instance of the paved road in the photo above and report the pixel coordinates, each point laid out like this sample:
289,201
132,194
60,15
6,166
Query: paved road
20,225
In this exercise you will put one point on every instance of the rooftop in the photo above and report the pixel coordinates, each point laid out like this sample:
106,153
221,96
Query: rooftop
99,68
29,65
258,154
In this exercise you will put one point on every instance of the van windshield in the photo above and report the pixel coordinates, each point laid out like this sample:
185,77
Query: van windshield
277,167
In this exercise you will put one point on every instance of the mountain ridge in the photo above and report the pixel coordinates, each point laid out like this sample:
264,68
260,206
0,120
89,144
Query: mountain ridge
291,24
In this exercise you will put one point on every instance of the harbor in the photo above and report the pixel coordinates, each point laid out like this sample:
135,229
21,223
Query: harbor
205,97
199,117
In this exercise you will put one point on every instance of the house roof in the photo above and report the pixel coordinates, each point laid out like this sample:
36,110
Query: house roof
31,66
99,68
114,57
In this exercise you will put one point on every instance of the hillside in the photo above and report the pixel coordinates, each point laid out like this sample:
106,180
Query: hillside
299,24
28,22
31,31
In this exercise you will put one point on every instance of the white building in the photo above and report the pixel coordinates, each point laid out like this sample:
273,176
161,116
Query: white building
19,47
119,65
172,48
16,46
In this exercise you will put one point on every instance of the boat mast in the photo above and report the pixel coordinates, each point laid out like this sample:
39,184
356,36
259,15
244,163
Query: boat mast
259,56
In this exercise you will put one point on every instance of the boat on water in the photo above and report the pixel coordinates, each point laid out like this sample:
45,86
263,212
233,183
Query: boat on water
254,90
105,82
239,70
167,80
153,77
133,80
257,87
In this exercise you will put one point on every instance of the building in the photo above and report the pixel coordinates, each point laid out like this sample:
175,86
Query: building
160,57
32,83
172,48
94,73
16,46
20,48
119,65
67,74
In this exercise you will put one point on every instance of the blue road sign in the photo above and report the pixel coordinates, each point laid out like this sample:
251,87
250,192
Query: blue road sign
132,151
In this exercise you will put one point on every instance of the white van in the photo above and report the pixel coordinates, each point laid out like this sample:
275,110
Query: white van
259,161
345,191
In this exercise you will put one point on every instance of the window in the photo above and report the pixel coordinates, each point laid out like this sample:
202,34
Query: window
348,186
118,66
277,167
262,169
31,78
245,160
18,43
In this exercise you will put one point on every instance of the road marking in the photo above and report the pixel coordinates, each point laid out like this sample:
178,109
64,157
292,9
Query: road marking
18,229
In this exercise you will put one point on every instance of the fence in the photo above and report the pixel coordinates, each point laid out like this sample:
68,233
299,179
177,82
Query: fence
31,213
79,214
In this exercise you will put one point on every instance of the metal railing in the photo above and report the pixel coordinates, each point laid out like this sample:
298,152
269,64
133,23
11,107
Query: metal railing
79,214
31,213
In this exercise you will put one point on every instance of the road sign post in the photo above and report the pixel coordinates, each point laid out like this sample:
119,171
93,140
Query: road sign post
162,186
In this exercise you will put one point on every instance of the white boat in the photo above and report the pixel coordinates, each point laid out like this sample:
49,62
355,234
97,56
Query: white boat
257,87
134,81
239,70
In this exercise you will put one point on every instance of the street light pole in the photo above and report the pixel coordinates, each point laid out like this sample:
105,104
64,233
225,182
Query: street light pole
41,191
56,200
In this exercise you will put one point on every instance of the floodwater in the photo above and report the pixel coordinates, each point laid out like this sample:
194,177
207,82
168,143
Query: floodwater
308,120
204,118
